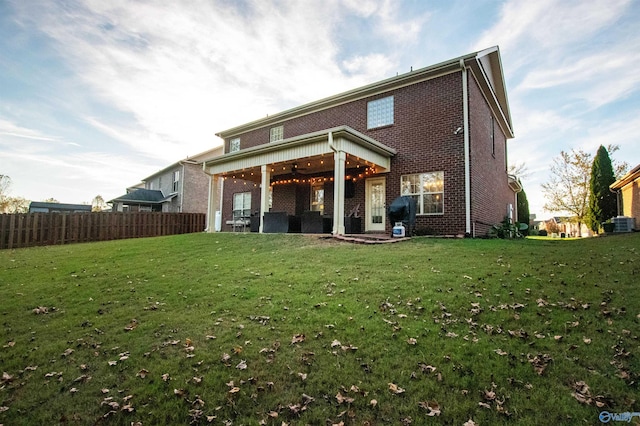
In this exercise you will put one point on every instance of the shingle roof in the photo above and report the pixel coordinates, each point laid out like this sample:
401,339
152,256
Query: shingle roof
144,196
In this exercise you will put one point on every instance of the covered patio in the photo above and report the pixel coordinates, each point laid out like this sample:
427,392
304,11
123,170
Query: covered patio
340,155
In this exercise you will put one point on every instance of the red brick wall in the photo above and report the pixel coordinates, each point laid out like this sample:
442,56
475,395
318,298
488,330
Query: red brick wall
426,115
195,189
490,192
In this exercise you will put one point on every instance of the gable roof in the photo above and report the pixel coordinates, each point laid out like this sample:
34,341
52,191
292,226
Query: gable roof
143,196
485,65
626,179
195,159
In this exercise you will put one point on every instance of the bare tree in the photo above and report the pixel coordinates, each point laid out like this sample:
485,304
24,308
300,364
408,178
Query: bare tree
568,187
518,169
5,183
98,204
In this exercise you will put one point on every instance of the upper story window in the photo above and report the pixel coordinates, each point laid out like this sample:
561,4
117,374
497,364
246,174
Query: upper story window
380,112
427,189
176,181
234,145
276,134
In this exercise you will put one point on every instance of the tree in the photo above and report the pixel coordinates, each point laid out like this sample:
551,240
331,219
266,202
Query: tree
523,208
5,183
602,202
98,204
568,187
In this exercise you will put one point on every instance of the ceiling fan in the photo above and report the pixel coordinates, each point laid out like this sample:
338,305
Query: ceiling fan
295,169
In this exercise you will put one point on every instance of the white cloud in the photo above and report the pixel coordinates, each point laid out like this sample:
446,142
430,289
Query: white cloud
8,128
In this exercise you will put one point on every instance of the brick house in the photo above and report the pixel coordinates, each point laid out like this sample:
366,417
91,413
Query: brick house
438,134
182,187
628,190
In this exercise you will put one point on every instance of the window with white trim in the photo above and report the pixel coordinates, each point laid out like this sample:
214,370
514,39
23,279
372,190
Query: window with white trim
176,181
317,198
427,189
241,205
380,112
276,134
234,145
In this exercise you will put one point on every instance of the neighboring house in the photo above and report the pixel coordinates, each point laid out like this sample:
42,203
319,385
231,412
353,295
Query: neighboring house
565,226
181,187
44,207
628,190
437,134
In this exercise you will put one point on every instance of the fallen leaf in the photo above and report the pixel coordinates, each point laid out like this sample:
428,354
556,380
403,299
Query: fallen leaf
395,388
178,392
340,398
234,390
303,376
586,340
242,365
142,373
73,390
412,341
432,407
297,338
113,362
373,403
165,377
335,343
67,352
470,423
500,352
6,377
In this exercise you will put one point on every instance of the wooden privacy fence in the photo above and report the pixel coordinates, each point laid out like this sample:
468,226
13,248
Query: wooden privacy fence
39,229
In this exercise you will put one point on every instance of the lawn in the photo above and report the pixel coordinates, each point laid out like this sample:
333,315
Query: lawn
242,329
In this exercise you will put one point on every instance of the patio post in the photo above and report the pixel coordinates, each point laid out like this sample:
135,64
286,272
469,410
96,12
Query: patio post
340,159
264,193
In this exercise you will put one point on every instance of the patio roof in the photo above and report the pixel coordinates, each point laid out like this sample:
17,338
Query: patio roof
288,153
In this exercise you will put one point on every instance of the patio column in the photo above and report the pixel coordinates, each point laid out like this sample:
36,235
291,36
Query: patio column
340,159
215,190
264,193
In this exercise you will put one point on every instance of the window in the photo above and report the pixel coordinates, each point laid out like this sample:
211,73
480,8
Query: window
276,134
493,137
241,205
427,189
317,198
176,181
234,145
380,112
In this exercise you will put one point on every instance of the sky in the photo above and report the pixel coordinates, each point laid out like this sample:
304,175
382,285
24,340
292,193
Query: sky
97,95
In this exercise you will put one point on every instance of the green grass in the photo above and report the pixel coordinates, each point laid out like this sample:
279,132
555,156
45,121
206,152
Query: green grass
244,328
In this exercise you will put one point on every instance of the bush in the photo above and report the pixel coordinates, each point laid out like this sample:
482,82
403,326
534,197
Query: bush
542,233
506,229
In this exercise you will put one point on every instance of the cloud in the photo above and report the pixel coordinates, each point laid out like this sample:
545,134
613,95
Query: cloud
8,128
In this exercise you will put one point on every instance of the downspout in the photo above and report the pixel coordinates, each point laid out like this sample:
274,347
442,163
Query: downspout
467,172
617,192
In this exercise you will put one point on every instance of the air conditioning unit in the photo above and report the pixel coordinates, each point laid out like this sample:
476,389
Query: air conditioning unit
623,224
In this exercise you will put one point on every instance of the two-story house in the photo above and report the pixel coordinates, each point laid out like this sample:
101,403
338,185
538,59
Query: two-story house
437,134
182,187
